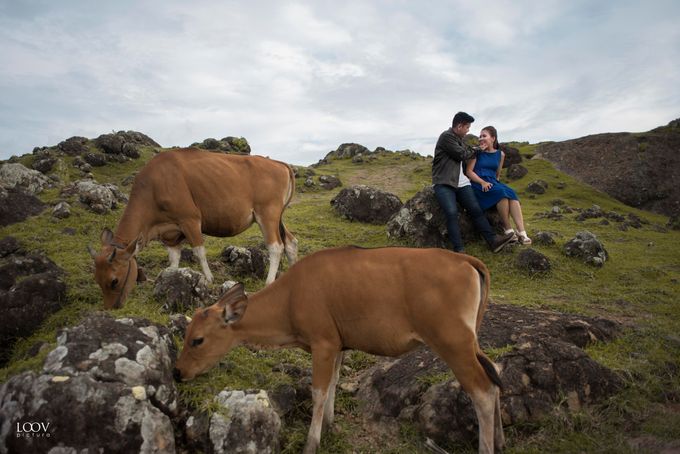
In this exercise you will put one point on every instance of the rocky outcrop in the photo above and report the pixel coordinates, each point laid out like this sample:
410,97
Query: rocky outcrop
106,386
639,169
73,146
124,143
516,171
532,262
512,156
99,198
421,221
235,145
543,372
347,150
329,182
365,204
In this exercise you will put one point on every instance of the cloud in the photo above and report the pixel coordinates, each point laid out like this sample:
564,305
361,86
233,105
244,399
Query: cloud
298,79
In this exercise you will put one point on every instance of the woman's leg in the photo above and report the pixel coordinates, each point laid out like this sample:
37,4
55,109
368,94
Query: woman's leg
516,213
503,208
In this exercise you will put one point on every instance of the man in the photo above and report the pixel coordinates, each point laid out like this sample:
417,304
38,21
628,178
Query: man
451,185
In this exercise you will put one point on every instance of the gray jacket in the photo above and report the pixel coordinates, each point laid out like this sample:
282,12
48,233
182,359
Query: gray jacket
450,155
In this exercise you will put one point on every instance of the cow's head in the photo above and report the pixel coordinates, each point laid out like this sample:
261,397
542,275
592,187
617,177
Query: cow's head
116,269
210,335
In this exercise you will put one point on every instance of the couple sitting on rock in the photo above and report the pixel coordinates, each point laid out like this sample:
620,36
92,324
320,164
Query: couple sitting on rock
470,176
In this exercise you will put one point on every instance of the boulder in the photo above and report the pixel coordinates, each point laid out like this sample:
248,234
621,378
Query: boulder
181,289
532,262
537,187
16,205
329,182
125,143
95,159
9,245
542,368
309,182
512,156
365,204
249,425
61,210
74,146
544,238
516,171
44,164
16,175
106,386
421,221
587,247
245,261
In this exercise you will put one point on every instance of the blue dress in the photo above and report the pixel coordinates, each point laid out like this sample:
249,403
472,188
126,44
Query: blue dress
485,168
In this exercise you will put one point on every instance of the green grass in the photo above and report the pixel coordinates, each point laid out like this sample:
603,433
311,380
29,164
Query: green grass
638,286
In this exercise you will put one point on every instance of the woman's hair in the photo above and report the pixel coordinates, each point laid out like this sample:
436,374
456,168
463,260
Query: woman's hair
492,131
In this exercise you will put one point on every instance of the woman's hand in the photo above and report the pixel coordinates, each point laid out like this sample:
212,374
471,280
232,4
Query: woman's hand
486,186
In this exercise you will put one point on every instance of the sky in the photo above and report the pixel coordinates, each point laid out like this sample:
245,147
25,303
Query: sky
297,79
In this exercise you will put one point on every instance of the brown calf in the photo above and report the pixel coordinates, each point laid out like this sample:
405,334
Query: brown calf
381,301
181,195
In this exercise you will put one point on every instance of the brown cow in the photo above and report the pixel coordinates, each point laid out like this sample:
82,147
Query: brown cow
381,301
181,195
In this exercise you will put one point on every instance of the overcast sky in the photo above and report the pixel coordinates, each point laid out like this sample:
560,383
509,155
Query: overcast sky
297,79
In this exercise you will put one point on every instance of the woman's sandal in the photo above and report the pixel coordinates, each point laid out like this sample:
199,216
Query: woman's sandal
523,238
514,238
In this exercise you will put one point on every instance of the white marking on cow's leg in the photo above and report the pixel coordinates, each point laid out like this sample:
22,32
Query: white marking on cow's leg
275,251
174,254
329,408
291,248
199,252
314,436
485,404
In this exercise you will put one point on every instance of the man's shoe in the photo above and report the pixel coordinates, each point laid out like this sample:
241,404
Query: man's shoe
501,240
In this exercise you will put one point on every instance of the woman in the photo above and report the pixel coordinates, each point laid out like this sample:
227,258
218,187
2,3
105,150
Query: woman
484,171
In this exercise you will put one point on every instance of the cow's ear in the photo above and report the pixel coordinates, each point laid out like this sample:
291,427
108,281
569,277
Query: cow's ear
106,237
91,251
134,247
234,303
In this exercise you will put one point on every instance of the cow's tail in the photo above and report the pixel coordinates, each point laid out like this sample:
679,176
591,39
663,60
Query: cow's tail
484,286
289,196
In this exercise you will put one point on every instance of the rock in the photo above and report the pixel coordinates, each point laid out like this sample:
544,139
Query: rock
532,261
544,238
95,159
80,414
309,182
586,247
181,289
74,146
99,198
539,370
16,175
178,324
126,143
329,182
516,171
237,145
537,187
347,150
366,204
512,156
421,221
245,261
9,245
358,159
44,164
593,212
61,210
16,205
249,426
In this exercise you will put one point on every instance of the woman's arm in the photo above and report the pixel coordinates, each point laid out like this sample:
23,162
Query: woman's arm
500,167
470,172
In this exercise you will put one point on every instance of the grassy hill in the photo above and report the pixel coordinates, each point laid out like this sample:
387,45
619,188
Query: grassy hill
639,286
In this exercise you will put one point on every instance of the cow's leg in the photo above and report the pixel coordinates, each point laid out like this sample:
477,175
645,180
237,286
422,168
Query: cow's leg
192,231
498,437
323,363
174,254
329,408
269,224
460,353
291,246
